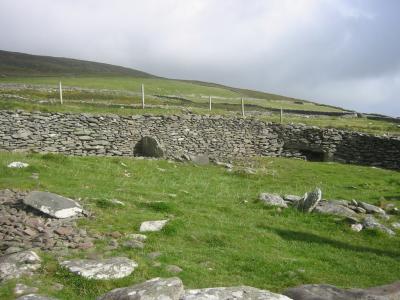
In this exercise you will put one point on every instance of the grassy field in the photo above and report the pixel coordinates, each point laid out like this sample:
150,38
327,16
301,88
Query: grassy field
218,232
192,91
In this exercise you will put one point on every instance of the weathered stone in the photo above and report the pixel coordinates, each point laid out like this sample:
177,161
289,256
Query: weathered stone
200,159
17,165
18,264
371,208
152,225
112,268
137,237
371,223
22,289
329,292
35,297
154,289
356,227
332,208
310,201
396,225
230,293
154,255
173,269
133,244
54,205
272,199
292,198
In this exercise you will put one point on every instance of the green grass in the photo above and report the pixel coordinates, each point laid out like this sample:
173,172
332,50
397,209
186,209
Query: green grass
218,233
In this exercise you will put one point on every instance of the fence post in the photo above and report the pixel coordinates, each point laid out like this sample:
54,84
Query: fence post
61,99
281,118
242,107
142,95
210,103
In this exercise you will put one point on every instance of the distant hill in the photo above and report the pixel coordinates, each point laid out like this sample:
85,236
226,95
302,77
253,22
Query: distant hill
21,64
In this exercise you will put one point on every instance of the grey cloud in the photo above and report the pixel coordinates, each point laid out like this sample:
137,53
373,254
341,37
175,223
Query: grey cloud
338,52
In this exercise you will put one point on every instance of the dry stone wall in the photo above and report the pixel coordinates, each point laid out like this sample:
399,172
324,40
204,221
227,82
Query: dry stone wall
219,137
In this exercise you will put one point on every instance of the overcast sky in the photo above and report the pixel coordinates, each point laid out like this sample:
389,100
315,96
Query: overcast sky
341,52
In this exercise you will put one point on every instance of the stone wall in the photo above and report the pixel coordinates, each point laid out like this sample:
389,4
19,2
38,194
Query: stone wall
221,138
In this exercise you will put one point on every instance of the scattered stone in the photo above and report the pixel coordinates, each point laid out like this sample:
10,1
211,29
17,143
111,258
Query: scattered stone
396,225
325,292
152,225
272,199
34,297
310,201
17,165
137,237
173,269
371,223
291,198
22,289
332,208
18,264
53,205
112,268
356,227
230,293
133,244
157,289
115,234
64,231
154,255
249,171
57,286
117,202
372,208
200,159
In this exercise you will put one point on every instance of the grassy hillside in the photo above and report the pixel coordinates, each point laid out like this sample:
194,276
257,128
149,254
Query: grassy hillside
219,234
21,64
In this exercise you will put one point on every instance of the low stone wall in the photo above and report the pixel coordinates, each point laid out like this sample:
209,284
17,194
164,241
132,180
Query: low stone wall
219,137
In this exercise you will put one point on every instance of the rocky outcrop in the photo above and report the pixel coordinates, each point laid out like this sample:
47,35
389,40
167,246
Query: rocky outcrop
219,137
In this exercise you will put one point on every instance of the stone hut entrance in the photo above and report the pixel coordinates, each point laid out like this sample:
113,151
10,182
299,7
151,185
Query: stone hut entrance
148,147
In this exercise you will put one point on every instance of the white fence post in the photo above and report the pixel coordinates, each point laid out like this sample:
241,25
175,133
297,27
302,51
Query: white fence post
242,107
142,95
210,103
61,99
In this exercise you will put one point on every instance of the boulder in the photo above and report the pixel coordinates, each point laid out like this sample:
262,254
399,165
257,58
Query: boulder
149,147
152,225
18,264
272,199
310,200
333,208
372,209
330,292
200,159
53,205
371,223
17,165
112,268
154,289
230,293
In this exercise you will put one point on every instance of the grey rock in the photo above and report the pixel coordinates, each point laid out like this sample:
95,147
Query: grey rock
154,255
35,297
371,223
310,200
232,293
112,268
137,237
149,147
22,289
53,205
272,199
17,165
200,159
153,289
18,264
371,208
356,227
292,198
332,208
133,244
173,269
149,226
329,292
396,225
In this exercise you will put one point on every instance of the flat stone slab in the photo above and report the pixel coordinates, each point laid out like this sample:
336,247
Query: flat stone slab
333,208
35,297
17,165
232,293
153,225
330,292
153,289
272,200
112,268
53,205
18,264
371,208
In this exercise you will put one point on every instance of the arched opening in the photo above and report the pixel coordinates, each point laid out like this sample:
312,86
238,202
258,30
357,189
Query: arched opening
148,147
